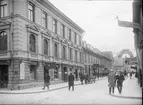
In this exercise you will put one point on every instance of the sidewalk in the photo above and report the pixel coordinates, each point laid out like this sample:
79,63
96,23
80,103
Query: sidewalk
39,89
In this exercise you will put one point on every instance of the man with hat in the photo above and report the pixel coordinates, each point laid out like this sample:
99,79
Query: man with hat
120,78
111,81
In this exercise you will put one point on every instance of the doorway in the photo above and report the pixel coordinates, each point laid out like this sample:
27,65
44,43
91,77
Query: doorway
3,76
65,74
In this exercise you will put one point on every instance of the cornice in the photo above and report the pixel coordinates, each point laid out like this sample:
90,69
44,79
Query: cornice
59,14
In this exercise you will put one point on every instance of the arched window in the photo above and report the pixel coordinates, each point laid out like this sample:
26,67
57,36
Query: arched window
45,47
32,43
3,41
56,50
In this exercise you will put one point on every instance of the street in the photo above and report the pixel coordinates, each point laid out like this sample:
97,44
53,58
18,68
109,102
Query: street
96,93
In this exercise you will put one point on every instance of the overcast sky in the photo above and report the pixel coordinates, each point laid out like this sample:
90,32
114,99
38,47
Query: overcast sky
97,18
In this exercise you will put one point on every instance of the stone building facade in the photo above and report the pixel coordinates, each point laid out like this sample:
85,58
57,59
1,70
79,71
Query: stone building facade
35,38
96,62
138,37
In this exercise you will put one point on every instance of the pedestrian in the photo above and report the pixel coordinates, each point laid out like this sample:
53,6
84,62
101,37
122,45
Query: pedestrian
111,81
81,76
130,75
120,78
71,81
46,81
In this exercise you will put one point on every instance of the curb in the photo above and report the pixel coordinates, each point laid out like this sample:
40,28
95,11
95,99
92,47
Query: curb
45,90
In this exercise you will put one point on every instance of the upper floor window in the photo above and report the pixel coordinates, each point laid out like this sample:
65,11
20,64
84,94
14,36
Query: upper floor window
46,47
63,30
69,34
3,41
64,52
31,12
75,38
56,49
79,40
80,57
44,19
75,55
3,8
32,43
70,54
55,26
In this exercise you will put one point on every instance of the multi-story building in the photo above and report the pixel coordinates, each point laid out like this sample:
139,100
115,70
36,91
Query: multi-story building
138,37
95,61
36,37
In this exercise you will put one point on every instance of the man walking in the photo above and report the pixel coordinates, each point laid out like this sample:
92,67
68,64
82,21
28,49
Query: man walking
120,78
111,81
46,81
81,77
71,81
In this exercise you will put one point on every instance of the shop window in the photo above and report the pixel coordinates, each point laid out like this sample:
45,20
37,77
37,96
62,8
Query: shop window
32,43
33,72
56,76
3,41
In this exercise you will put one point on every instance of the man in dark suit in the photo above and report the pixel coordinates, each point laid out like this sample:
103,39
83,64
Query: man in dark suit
71,81
46,81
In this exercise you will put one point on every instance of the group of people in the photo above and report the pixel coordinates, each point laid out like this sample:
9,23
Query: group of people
115,79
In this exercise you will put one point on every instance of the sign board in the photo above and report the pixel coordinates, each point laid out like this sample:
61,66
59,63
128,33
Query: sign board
22,71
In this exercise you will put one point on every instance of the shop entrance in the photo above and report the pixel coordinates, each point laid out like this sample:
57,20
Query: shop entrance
65,74
3,76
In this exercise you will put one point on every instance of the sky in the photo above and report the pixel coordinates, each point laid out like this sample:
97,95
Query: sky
97,19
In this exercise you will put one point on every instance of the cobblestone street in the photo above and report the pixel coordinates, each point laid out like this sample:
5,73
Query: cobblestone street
96,93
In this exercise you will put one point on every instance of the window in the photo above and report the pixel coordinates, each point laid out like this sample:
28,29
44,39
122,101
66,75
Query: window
69,34
64,52
56,76
32,43
75,55
80,57
55,26
33,72
79,40
75,38
56,49
3,8
46,47
3,41
44,19
70,54
63,30
31,12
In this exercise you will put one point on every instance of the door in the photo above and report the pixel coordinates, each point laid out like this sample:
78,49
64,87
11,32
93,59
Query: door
3,76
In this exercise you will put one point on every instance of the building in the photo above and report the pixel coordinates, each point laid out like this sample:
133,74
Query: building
96,62
35,38
138,37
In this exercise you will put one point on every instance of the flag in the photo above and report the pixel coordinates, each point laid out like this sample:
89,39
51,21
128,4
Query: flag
129,24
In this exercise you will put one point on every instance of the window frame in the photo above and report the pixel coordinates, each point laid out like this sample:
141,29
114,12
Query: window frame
44,19
69,34
54,25
35,48
75,37
63,30
56,50
46,48
31,12
4,7
4,47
